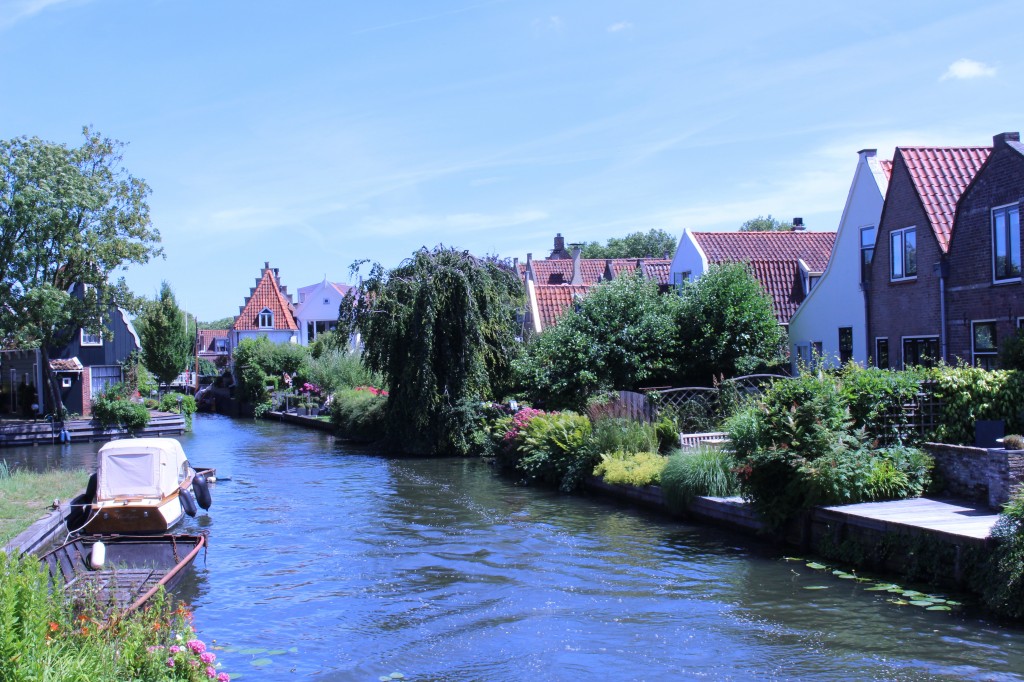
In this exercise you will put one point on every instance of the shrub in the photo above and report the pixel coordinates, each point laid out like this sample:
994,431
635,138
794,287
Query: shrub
876,398
110,409
969,394
635,469
178,403
1002,581
359,414
553,449
704,471
617,434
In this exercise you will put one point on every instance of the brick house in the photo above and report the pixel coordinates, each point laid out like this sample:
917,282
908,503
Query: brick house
213,345
559,281
984,293
908,271
267,311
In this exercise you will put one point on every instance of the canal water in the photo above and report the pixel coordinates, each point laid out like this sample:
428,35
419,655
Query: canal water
333,562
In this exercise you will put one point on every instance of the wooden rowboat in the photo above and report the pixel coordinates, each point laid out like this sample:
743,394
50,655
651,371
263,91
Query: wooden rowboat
133,570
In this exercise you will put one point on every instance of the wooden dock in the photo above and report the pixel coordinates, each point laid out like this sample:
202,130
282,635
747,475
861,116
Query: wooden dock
953,518
38,432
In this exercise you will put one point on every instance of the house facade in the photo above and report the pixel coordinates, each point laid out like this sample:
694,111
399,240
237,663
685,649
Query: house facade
267,311
83,369
984,292
830,326
909,270
213,345
317,310
787,264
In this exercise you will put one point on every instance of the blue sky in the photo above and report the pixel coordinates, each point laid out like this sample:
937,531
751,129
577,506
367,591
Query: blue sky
314,133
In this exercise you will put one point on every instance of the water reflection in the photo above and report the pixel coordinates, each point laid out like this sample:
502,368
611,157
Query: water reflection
337,563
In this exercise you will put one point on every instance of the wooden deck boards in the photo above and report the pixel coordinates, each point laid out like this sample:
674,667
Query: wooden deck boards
956,518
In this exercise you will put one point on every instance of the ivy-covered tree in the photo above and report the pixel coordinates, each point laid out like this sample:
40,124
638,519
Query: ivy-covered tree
619,337
69,217
167,346
440,328
650,244
728,326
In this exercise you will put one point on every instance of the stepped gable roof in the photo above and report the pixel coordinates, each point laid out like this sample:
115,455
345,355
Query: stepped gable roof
940,175
268,294
552,300
205,339
814,248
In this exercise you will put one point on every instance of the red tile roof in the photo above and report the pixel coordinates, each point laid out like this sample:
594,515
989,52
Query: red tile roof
552,300
66,365
774,260
731,247
940,175
206,338
886,165
592,270
267,295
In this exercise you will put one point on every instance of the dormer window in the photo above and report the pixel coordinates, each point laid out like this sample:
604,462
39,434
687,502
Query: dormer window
266,319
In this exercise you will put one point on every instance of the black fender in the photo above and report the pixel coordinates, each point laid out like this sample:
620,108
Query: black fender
188,503
201,488
78,512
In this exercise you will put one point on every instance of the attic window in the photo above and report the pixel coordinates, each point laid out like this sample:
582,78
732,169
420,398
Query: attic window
266,319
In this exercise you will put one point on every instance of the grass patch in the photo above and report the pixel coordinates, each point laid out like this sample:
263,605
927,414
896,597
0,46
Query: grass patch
704,471
26,496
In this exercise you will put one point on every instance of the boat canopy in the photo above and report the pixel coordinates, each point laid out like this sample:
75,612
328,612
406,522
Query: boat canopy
139,467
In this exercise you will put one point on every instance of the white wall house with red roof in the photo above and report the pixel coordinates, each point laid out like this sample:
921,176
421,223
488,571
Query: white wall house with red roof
787,264
317,309
830,325
267,311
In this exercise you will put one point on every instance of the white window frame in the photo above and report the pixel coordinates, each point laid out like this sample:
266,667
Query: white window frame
1008,209
93,340
902,234
888,352
903,342
265,320
220,345
975,353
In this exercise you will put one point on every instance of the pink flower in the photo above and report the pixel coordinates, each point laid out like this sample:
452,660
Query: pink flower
170,662
223,677
210,672
175,648
207,657
196,645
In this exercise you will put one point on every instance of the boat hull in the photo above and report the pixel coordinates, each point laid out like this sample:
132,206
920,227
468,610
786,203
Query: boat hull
135,517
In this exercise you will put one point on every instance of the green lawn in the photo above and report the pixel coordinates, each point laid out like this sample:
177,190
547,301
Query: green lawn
25,497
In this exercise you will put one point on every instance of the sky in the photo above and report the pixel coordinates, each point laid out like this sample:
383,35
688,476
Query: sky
313,133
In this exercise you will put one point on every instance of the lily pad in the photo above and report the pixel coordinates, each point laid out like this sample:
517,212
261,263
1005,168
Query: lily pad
261,662
276,652
880,588
396,676
816,587
899,602
922,602
939,607
950,602
842,575
251,652
816,566
293,650
791,558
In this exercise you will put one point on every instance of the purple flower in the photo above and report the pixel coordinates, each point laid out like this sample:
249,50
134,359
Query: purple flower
196,645
170,662
207,657
175,648
223,677
210,672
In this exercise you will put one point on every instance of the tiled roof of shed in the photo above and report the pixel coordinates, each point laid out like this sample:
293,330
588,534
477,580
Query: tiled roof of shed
206,337
730,247
940,175
553,299
267,295
65,365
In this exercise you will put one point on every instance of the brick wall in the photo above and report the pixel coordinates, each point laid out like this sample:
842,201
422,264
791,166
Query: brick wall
971,294
979,474
906,308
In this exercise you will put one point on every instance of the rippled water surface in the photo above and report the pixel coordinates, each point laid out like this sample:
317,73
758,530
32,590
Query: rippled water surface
332,562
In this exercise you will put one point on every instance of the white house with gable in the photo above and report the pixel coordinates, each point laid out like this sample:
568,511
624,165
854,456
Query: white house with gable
830,325
317,310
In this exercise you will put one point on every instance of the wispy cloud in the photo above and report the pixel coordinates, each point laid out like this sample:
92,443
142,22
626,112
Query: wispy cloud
13,11
965,69
620,26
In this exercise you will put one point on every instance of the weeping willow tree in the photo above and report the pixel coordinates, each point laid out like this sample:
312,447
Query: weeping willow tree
441,329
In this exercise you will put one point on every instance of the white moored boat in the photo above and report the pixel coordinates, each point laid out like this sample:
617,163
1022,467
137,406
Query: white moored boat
141,485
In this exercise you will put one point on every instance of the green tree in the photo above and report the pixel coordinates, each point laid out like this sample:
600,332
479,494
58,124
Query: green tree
651,244
762,224
167,346
222,323
727,325
618,337
440,328
69,217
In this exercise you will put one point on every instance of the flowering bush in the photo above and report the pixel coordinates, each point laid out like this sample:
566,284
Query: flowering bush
372,391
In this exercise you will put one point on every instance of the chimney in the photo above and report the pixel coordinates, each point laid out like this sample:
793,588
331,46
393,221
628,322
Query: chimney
798,224
1001,139
577,270
559,242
